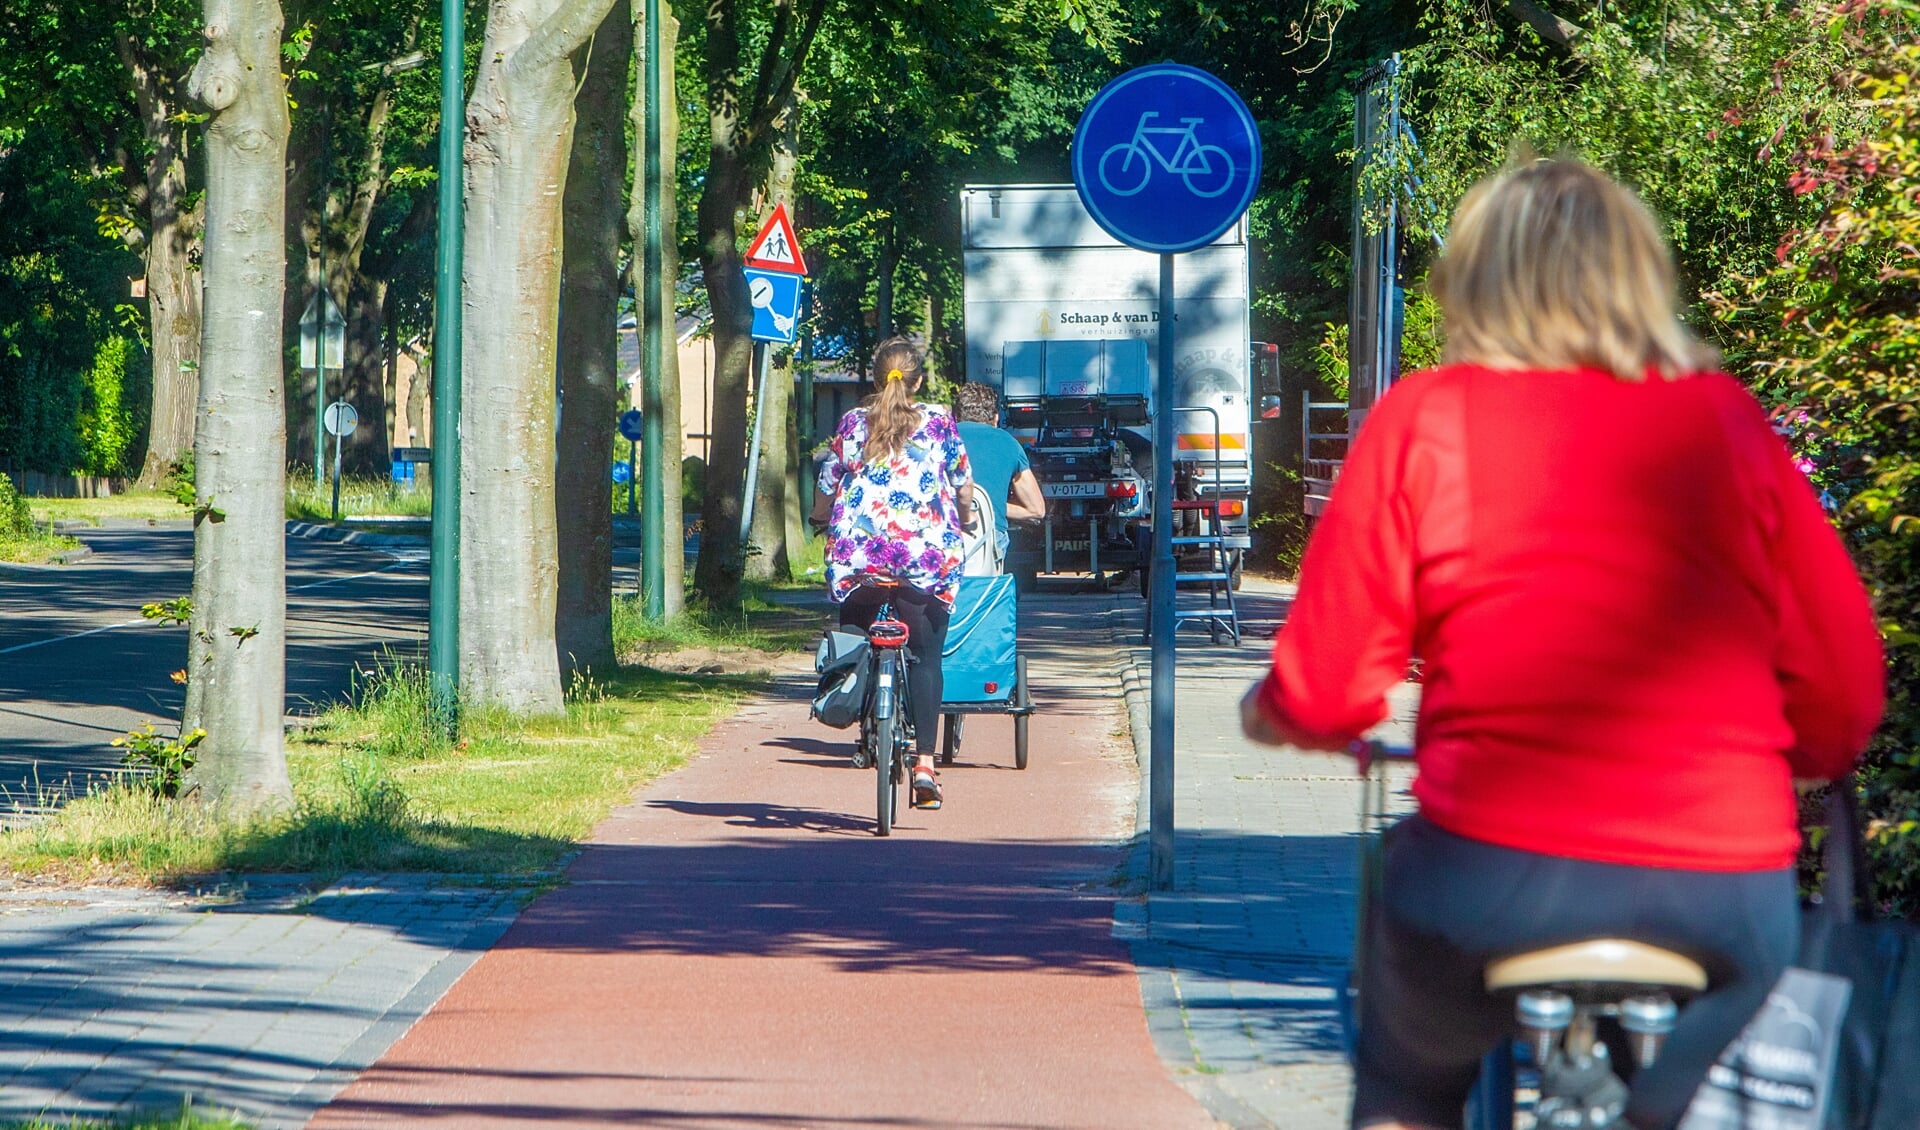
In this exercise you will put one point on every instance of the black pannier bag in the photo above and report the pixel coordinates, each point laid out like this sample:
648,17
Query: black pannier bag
841,662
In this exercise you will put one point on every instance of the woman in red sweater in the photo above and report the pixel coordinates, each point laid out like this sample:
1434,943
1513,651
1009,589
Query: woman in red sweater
1637,629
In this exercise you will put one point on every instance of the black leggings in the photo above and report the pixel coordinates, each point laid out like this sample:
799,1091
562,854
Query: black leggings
1450,904
926,620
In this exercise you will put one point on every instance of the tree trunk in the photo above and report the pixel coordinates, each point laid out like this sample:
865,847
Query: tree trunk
936,323
717,574
734,123
417,398
883,290
675,440
771,519
589,349
519,132
796,501
362,382
173,281
769,533
236,689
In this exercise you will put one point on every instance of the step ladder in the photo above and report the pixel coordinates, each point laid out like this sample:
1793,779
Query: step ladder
1220,617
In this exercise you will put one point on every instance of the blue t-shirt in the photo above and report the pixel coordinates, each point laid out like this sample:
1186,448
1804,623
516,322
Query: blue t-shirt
997,460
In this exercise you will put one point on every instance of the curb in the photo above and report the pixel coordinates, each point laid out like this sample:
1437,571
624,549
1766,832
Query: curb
1125,624
322,532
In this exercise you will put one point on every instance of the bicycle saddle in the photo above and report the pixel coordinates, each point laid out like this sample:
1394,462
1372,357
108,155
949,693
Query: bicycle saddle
1608,961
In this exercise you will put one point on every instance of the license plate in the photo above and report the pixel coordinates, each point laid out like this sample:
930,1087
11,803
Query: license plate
1073,490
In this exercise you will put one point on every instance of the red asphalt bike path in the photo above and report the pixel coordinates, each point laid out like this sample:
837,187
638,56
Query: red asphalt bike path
735,948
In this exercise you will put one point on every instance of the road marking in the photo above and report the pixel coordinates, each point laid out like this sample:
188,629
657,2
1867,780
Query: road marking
73,636
142,620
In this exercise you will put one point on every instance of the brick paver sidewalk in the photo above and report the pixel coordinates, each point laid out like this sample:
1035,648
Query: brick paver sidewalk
1242,964
266,1000
737,949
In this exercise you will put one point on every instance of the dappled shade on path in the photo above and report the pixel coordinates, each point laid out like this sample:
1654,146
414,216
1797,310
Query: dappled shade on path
737,949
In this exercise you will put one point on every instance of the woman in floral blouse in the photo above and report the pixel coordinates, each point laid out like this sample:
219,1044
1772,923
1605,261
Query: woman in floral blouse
895,481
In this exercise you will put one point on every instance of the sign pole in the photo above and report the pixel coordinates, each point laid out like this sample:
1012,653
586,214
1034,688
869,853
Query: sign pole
1165,206
633,456
655,316
760,361
1160,615
320,369
336,476
443,581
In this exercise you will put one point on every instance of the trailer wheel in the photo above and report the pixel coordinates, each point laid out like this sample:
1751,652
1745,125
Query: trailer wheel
1236,566
1023,700
1025,581
950,739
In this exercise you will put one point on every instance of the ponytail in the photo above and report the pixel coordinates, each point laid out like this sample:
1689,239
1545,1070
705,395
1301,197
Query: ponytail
892,415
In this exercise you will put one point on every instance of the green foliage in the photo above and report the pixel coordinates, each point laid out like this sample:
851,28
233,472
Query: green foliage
110,418
161,763
1779,144
1830,333
20,540
396,704
16,518
177,484
60,279
179,610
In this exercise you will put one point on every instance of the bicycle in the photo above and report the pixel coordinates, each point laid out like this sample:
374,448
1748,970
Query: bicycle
886,727
1192,161
1555,1070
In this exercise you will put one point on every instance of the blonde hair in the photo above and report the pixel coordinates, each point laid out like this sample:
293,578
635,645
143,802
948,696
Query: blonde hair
892,415
1554,265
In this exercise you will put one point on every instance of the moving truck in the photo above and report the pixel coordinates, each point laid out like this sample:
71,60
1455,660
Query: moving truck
1065,321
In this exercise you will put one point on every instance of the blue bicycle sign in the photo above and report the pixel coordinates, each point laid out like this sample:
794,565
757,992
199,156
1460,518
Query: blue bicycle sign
1166,158
1207,169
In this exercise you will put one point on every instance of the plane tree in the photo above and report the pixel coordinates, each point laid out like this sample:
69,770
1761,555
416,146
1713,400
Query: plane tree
236,654
520,120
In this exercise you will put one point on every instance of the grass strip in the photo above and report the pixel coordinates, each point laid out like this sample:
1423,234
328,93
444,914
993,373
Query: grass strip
36,548
185,1119
139,505
764,625
360,496
376,788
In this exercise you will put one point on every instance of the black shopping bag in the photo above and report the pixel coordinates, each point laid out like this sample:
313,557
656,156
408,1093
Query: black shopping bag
1837,1045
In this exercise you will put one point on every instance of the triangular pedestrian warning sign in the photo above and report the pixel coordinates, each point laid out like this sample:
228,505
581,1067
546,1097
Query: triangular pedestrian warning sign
775,248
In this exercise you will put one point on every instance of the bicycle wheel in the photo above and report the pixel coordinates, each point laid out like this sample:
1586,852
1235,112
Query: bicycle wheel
1130,174
1208,171
884,754
1023,699
883,776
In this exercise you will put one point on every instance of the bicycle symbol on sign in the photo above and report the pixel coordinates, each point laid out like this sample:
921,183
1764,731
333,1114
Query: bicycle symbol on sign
1207,169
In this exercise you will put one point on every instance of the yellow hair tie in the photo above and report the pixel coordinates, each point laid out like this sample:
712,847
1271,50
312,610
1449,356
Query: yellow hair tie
894,374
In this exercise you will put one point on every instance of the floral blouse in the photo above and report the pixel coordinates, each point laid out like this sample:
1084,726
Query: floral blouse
900,516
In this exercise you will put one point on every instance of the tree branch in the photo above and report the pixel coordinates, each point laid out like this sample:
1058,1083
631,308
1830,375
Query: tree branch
789,76
770,57
561,34
1550,27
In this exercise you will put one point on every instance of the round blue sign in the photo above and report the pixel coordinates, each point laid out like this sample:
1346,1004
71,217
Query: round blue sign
630,424
622,473
1166,157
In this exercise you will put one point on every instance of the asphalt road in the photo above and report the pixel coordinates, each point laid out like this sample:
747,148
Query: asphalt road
79,667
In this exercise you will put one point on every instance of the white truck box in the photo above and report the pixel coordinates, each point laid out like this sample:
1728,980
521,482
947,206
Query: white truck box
1037,268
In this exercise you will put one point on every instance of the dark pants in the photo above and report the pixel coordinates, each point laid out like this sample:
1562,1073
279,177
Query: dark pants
1451,904
926,620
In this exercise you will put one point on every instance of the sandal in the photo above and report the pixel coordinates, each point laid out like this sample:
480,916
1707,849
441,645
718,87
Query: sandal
926,784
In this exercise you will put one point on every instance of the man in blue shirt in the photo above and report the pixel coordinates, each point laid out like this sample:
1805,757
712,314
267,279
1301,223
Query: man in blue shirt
1000,466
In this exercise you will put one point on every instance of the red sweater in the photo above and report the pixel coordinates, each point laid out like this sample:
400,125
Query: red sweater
1637,626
